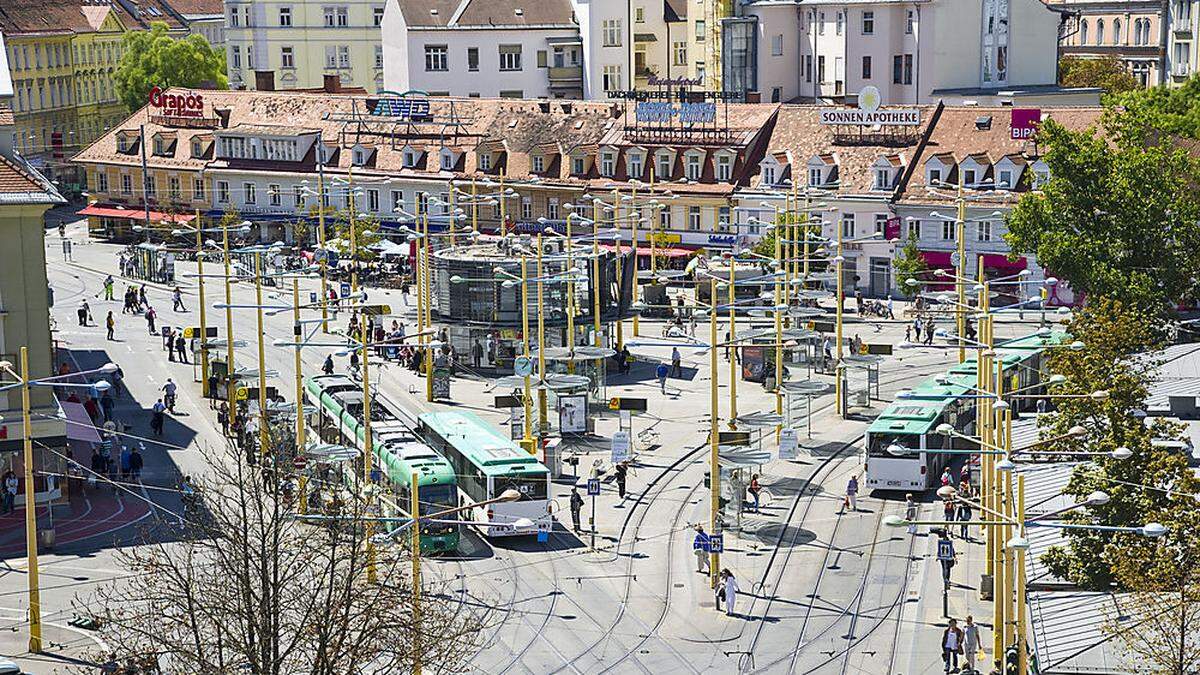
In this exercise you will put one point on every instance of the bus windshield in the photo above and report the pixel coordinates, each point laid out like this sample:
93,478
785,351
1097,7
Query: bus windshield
532,486
436,498
889,445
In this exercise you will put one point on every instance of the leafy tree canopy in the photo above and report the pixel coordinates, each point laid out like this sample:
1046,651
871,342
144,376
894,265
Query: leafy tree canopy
154,59
909,264
1107,72
1144,115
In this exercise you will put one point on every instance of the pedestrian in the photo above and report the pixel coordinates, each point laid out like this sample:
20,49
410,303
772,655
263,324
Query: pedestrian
10,491
168,390
964,515
108,287
110,324
151,315
181,346
929,331
157,414
576,503
107,404
622,470
947,479
964,476
661,371
136,462
223,418
142,301
754,490
910,512
952,645
169,342
327,367
719,590
858,296
490,348
477,356
971,641
700,545
99,467
908,333
891,307
851,501
676,363
948,513
126,461
82,314
731,590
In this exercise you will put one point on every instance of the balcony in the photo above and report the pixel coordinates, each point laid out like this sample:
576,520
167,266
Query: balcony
1181,70
565,76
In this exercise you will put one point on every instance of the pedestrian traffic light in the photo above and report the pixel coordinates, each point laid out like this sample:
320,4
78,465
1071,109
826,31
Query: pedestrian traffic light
1012,663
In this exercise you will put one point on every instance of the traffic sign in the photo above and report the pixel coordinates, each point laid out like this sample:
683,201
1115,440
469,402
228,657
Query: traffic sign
945,550
312,298
300,461
620,446
716,543
375,310
241,393
593,487
614,403
345,288
627,403
788,444
194,331
522,366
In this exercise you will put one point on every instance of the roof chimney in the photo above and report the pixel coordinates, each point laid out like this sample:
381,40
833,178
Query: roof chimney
264,80
332,83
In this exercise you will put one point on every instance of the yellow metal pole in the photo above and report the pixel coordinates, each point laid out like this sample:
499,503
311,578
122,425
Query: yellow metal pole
1000,598
503,204
541,341
298,335
1022,656
839,386
733,353
474,206
637,216
1009,555
415,543
779,263
960,270
368,445
596,287
571,286
352,204
263,431
428,280
527,439
419,274
230,381
35,594
324,262
617,304
714,466
204,391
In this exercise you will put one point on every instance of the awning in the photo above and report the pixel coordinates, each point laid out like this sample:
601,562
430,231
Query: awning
644,251
79,423
134,214
937,259
1001,262
645,37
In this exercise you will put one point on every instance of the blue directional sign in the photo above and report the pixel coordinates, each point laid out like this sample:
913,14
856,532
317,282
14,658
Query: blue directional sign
716,543
945,550
593,487
312,297
345,288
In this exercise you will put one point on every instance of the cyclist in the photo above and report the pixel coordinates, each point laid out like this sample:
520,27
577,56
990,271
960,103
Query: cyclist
168,391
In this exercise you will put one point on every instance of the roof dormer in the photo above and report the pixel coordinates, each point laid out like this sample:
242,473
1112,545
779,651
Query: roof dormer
362,154
973,169
885,171
1041,173
938,168
635,162
664,163
201,145
774,168
163,143
608,160
693,164
582,159
1008,171
327,152
822,170
127,141
410,156
449,158
489,155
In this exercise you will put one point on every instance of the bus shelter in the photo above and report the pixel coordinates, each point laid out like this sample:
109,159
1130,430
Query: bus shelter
151,262
588,362
860,373
738,463
798,398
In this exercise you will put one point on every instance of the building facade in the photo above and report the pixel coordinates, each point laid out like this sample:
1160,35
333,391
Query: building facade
912,51
1134,31
303,41
489,48
1183,29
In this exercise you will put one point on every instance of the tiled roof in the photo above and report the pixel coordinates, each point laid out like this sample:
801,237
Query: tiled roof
799,133
675,10
196,7
6,116
21,184
486,13
24,17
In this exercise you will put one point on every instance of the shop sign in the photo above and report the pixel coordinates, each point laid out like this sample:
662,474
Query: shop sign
1024,123
662,112
868,113
656,81
721,239
177,105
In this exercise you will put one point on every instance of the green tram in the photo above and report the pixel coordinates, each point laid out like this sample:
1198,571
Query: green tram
488,464
899,440
335,405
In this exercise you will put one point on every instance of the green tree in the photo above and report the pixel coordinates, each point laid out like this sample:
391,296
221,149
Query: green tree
1106,72
1116,219
155,59
909,264
1145,115
1113,335
366,233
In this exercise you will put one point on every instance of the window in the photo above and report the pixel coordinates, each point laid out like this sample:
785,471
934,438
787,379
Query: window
635,165
126,184
693,218
883,179
198,189
881,223
847,225
287,57
984,230
378,57
664,166
914,229
526,208
447,161
101,182
552,208
485,161
866,69
577,166
1083,32
223,192
723,214
776,94
373,200
274,195
777,44
359,156
841,20
472,58
815,179
821,69
611,32
343,56
330,56
664,218
612,78
768,175
724,168
397,200
285,16
821,24
510,57
868,23
1040,178
608,161
343,17
330,17
298,196
1005,181
692,169
1100,31
948,230
700,30
377,15
968,176
249,193
1116,38
539,164
909,20
435,58
235,57
234,22
680,53
935,176
808,69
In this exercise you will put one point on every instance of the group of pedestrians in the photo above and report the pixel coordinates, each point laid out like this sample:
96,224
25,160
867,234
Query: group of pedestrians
920,327
727,586
128,466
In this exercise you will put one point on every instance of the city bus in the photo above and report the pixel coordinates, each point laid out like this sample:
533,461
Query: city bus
335,415
487,464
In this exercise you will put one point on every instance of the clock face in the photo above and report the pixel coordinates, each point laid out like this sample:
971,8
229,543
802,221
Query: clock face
869,99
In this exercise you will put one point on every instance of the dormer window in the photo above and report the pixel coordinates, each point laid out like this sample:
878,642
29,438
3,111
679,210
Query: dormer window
1004,179
934,175
326,153
692,166
883,179
578,165
608,163
665,162
635,161
485,161
160,146
448,159
410,158
969,177
197,148
768,175
359,155
724,168
816,177
539,164
1041,174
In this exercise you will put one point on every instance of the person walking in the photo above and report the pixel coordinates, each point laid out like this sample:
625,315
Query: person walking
947,478
10,492
181,346
141,298
719,589
622,471
169,343
754,489
700,549
151,315
576,504
731,591
477,355
108,287
952,645
110,325
107,404
661,372
157,414
136,462
948,513
327,367
676,363
99,467
971,641
910,512
851,501
223,418
126,461
82,314
964,515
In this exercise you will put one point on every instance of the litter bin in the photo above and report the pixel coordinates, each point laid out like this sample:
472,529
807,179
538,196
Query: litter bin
46,539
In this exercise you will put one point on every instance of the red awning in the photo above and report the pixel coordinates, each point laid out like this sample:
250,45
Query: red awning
1001,262
135,214
937,259
644,250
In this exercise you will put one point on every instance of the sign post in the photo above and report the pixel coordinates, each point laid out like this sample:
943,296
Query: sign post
593,489
620,447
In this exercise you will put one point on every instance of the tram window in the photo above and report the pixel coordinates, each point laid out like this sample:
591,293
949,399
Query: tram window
880,442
